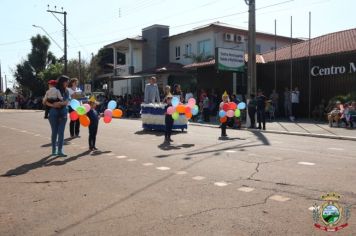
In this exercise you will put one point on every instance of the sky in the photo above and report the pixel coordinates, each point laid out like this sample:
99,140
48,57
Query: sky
94,24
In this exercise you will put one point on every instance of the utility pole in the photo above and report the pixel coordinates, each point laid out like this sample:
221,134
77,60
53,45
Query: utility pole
80,69
251,70
64,13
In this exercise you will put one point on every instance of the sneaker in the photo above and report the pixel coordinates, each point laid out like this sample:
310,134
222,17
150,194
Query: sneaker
95,148
54,153
61,154
170,140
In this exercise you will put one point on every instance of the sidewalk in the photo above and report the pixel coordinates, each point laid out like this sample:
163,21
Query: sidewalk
301,128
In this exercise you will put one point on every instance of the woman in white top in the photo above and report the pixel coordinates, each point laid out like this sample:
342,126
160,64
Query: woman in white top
74,93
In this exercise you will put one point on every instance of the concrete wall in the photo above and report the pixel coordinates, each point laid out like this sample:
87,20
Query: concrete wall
155,48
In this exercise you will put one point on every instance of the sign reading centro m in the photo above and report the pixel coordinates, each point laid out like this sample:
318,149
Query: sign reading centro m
333,70
229,59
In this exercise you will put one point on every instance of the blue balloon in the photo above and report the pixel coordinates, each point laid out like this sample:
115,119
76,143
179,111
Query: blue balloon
112,105
195,111
222,113
241,106
175,101
74,104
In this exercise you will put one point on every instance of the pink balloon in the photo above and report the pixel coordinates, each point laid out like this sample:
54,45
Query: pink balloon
191,102
170,110
230,113
108,113
87,107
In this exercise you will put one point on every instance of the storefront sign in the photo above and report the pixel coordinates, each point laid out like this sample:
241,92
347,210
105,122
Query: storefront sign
333,70
229,59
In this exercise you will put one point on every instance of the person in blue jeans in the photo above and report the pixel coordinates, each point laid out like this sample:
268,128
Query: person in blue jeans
58,114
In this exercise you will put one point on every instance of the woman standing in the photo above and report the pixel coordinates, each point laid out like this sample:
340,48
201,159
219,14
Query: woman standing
58,117
74,93
177,92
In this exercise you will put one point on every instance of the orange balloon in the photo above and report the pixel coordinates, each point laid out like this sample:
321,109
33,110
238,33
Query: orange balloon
117,113
223,119
84,120
180,109
188,115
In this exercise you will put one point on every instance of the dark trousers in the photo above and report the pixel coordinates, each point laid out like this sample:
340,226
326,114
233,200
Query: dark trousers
169,127
261,118
206,114
251,114
74,128
92,136
223,129
294,109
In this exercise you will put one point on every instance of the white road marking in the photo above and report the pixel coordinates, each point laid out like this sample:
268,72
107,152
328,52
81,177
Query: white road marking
148,164
306,163
221,184
181,172
37,135
230,151
131,160
279,198
4,126
121,157
246,189
198,177
163,168
23,131
110,154
252,155
336,149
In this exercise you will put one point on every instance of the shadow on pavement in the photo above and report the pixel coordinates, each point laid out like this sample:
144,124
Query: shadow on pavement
157,133
166,146
46,161
260,136
21,170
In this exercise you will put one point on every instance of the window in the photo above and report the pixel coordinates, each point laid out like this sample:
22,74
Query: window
188,49
205,48
177,52
258,48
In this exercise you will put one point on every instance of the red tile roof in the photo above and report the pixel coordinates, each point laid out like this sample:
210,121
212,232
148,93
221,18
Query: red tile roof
342,41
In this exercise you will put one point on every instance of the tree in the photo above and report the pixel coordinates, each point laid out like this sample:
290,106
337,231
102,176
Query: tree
73,70
28,72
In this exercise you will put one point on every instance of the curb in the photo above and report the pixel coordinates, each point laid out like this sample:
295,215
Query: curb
287,133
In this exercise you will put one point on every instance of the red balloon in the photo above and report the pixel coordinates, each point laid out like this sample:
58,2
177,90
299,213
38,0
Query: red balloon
226,107
74,116
232,106
188,110
107,119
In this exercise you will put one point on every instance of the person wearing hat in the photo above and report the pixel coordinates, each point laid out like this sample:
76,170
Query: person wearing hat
261,109
94,118
52,95
168,119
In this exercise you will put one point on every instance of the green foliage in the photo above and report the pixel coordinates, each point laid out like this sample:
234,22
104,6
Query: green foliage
52,72
199,57
344,98
31,74
73,70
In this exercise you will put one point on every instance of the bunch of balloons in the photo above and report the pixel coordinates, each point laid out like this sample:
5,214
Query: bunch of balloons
111,112
80,112
190,109
230,109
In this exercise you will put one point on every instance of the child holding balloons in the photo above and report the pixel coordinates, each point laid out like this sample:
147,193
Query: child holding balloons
94,117
168,119
223,119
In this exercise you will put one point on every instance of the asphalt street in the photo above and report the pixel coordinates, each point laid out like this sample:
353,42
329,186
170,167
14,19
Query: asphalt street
251,184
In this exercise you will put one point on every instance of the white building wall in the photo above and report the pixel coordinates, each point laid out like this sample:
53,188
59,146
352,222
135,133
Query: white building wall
193,40
218,40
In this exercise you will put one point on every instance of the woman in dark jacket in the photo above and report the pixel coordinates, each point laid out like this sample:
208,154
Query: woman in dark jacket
58,117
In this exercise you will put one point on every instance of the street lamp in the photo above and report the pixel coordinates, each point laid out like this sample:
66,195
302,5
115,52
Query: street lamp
40,27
